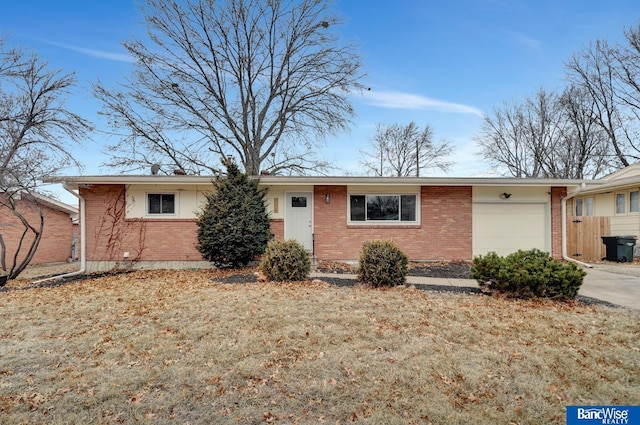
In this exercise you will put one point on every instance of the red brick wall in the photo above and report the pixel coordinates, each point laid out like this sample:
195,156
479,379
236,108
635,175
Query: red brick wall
557,193
443,234
110,235
55,245
277,228
57,238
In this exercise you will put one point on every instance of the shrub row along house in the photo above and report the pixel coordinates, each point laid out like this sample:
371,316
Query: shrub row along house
149,221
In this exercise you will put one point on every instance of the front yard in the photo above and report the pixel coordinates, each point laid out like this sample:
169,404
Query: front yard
177,347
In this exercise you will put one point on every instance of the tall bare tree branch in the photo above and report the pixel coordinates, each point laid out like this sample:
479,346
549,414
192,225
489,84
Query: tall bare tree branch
241,78
37,131
593,70
404,150
546,136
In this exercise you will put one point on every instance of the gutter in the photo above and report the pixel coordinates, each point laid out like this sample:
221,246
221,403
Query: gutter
83,241
563,203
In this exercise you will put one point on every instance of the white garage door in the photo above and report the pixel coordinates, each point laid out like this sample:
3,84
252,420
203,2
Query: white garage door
505,228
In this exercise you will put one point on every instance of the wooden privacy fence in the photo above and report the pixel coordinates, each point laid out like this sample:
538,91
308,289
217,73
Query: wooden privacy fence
584,240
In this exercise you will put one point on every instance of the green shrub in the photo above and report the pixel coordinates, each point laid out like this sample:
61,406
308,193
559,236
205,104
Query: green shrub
285,261
528,274
233,226
382,264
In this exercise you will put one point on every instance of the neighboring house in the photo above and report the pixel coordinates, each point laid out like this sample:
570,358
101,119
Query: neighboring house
611,208
149,221
57,234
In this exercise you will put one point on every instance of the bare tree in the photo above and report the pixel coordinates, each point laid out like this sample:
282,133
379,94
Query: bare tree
504,142
590,129
546,136
586,152
594,70
610,75
259,80
36,130
404,150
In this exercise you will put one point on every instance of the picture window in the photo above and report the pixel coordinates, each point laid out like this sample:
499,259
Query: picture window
383,208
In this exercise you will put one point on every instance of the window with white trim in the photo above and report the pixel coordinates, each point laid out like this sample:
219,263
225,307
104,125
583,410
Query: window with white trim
621,203
627,202
384,208
633,202
584,207
579,207
588,204
161,203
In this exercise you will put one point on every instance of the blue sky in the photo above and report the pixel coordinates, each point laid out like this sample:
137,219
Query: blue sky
442,63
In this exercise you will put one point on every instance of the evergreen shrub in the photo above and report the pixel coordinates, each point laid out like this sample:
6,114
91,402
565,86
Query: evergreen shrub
285,261
528,274
382,264
234,226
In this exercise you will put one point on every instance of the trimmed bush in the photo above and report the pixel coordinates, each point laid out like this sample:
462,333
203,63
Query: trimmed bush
285,261
528,274
382,264
233,226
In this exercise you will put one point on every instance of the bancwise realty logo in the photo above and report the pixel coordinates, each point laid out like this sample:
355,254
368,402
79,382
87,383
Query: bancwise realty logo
618,415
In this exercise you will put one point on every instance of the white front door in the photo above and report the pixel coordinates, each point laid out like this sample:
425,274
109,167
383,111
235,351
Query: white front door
298,218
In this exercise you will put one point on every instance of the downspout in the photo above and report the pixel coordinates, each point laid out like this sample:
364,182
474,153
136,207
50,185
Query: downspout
563,203
83,241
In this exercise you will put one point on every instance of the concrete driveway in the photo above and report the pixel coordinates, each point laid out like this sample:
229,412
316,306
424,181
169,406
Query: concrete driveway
617,284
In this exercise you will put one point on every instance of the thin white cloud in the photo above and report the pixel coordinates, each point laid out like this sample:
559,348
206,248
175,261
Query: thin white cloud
400,100
529,42
119,57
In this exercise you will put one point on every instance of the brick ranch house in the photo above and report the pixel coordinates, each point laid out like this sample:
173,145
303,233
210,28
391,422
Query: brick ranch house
56,244
149,221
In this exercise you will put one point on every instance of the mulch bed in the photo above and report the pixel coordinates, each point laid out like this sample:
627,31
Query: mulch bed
449,270
446,270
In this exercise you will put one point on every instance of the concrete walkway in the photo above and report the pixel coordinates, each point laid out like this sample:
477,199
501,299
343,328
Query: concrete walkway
615,284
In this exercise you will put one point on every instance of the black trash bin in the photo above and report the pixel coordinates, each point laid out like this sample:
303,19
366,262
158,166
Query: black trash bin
619,248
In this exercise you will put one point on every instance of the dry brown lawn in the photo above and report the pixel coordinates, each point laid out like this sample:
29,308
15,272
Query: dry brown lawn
176,347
